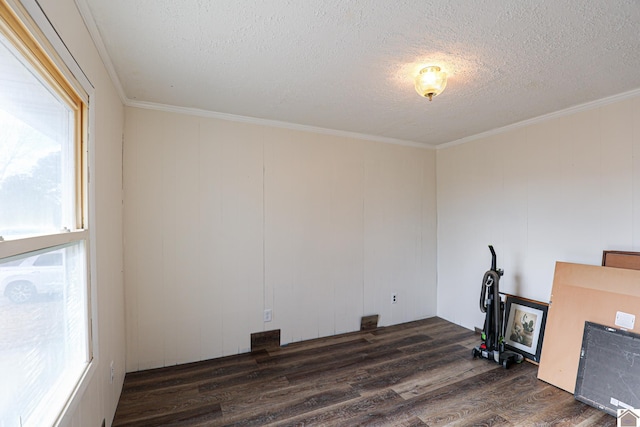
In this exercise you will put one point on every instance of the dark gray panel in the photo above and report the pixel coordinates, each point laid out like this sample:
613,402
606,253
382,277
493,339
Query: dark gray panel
609,370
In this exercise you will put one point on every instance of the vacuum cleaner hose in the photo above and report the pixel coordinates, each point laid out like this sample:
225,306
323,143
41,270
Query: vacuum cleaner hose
483,290
487,281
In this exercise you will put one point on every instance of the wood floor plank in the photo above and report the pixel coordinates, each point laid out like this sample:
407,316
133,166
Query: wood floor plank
598,419
329,350
487,418
564,410
442,376
209,412
349,364
362,411
465,339
408,368
216,367
295,406
415,374
451,403
242,392
476,402
535,402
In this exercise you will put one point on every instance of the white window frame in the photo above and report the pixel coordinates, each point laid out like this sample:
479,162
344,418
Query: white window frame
38,25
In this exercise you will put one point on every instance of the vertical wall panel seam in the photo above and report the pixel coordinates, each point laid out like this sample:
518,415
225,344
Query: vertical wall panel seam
362,238
634,173
599,113
200,227
436,228
264,235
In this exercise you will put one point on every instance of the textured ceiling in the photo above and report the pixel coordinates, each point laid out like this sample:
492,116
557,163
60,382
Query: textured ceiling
349,65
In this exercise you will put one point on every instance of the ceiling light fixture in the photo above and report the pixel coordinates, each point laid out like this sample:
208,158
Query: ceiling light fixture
431,81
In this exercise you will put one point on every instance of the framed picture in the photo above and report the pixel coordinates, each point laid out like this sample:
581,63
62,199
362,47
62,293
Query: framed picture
524,330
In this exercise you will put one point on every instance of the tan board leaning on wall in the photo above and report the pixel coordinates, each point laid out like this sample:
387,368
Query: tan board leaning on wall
580,293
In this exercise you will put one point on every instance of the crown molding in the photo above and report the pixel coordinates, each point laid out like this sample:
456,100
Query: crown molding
272,123
557,114
90,23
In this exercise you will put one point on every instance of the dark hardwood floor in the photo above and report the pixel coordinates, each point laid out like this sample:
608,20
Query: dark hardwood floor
416,374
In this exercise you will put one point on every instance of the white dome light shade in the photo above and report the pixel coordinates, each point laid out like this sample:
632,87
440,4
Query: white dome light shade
431,81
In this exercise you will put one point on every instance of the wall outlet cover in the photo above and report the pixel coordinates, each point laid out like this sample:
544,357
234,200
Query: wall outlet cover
625,320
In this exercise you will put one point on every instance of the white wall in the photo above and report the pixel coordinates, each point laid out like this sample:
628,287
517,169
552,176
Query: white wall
99,399
224,220
561,190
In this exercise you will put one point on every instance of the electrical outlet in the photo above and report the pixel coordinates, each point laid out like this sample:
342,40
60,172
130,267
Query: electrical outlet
394,298
112,372
267,315
625,320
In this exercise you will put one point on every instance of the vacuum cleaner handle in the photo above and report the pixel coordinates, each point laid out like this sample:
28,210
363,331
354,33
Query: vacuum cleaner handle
494,263
493,258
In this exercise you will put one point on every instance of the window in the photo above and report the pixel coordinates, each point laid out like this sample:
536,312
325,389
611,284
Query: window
45,339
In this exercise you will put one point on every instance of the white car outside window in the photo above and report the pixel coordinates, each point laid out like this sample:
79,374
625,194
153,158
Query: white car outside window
22,280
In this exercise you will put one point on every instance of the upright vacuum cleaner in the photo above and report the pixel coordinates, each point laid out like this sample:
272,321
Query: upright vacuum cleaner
492,345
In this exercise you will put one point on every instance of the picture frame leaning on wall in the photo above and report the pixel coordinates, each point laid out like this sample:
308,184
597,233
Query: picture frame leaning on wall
525,321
